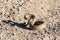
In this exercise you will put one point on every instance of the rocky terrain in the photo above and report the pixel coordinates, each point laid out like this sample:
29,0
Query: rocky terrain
12,19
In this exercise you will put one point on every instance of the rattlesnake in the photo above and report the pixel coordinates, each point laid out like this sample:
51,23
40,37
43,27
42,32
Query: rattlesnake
33,23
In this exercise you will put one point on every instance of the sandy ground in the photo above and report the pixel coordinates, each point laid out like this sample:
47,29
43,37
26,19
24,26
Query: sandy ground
12,11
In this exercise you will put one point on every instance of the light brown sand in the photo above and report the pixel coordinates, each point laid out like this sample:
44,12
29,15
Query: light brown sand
14,10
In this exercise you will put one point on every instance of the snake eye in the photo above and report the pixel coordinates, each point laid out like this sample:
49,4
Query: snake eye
32,16
25,17
38,23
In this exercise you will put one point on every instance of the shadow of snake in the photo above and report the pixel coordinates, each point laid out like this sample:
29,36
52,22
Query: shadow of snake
12,23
